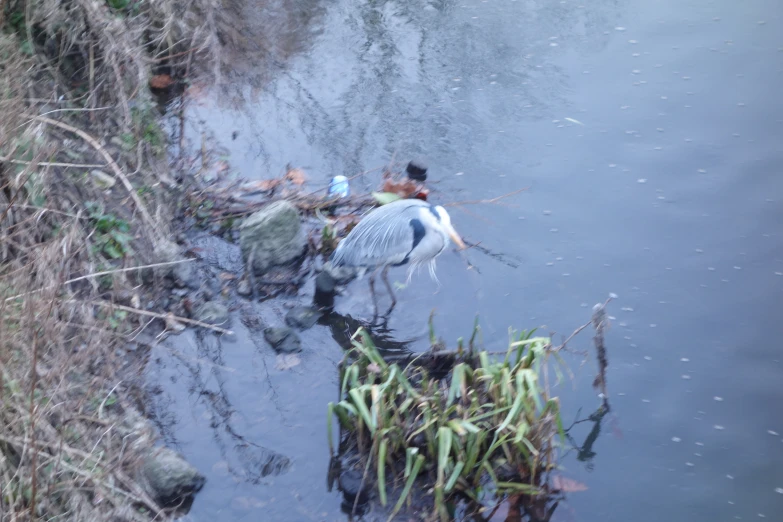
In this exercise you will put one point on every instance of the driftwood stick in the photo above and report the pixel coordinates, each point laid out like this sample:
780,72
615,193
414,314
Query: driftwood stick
164,316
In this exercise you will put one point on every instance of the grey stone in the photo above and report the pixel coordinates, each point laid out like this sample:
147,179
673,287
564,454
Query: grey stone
243,287
350,483
211,312
168,478
103,180
302,317
272,236
283,339
340,274
183,274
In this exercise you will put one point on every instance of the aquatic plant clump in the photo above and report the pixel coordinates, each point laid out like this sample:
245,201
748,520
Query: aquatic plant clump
487,429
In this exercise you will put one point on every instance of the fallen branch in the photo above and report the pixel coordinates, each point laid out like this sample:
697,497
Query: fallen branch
111,163
168,316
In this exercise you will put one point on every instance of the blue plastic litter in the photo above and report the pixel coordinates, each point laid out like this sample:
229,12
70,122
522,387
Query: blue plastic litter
339,187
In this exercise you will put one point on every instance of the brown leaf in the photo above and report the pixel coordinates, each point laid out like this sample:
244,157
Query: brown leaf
405,188
196,91
568,485
287,361
226,276
161,81
296,176
263,185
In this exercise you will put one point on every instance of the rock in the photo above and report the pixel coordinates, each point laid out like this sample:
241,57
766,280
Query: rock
168,478
211,312
183,274
340,274
103,180
302,317
283,340
243,287
350,482
272,236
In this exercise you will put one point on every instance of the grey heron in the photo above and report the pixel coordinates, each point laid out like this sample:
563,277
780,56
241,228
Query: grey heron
404,232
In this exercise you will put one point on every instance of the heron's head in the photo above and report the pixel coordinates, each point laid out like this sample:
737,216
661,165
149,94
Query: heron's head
445,222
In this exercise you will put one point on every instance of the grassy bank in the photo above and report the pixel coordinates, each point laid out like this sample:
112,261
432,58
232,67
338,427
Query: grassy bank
85,190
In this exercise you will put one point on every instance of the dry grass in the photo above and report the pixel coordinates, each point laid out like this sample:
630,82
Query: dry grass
74,97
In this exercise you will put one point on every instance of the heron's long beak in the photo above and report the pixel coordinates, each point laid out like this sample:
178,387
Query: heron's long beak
455,237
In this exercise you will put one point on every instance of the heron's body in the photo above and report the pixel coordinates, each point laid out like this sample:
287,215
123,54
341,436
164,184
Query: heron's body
404,232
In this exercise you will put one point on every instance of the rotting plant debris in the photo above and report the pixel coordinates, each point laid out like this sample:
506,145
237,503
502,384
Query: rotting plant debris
484,430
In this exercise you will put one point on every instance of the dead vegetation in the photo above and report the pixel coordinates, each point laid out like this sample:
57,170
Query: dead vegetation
84,193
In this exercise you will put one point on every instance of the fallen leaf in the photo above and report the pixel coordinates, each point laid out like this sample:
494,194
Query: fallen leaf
263,185
161,81
568,485
287,361
226,276
296,176
405,188
196,91
385,198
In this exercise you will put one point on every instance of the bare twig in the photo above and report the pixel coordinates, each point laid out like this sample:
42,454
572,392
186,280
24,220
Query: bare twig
54,164
98,274
479,201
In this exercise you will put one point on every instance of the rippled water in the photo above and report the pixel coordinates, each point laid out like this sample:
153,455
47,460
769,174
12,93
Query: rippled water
649,135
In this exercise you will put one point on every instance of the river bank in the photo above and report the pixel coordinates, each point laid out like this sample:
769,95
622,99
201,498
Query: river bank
88,253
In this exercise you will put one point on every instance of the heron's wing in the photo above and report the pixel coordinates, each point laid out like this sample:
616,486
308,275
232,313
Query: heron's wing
385,236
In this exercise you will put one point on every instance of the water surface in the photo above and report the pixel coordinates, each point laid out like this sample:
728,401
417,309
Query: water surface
649,134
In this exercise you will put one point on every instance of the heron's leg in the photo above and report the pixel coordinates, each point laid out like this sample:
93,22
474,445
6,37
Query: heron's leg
385,276
374,295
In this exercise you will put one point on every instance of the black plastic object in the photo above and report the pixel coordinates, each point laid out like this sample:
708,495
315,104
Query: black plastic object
324,291
417,170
